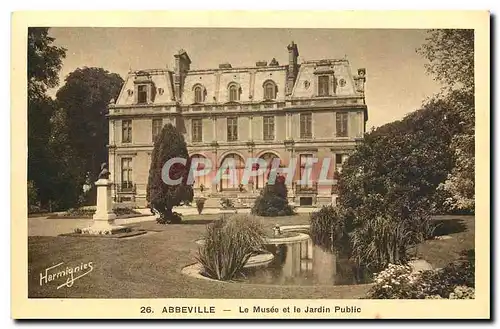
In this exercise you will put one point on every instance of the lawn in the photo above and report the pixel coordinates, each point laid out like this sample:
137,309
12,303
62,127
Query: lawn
150,265
460,229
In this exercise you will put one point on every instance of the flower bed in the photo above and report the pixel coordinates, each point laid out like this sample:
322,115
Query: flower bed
455,281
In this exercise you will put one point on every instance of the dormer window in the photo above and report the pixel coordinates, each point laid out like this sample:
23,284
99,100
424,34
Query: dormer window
234,93
323,85
269,90
142,94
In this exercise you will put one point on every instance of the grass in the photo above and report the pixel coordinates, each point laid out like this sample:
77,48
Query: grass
438,253
150,265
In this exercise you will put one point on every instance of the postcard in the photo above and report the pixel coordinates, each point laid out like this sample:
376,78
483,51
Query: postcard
251,165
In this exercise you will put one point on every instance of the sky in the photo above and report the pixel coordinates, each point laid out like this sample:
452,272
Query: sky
396,84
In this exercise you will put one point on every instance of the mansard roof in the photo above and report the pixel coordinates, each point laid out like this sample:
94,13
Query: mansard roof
250,80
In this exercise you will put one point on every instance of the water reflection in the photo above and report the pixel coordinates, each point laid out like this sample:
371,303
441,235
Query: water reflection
303,263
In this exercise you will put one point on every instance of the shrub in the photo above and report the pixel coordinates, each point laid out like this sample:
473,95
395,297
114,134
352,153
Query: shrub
228,244
79,212
327,227
273,200
226,203
457,273
455,281
396,282
386,238
88,212
125,211
163,197
173,218
200,204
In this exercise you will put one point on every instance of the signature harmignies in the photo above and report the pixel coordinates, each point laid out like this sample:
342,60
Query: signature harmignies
69,274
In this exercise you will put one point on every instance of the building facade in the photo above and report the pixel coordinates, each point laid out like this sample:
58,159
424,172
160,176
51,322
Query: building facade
294,111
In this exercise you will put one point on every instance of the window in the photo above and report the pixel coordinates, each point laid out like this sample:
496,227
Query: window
269,90
156,128
234,94
126,131
341,119
340,159
323,85
306,170
127,174
199,96
234,166
268,128
305,125
142,94
232,129
196,130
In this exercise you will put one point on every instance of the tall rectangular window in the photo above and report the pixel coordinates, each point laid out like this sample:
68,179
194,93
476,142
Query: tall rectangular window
306,170
127,173
232,129
127,131
157,126
196,130
323,85
268,128
340,159
234,94
341,123
142,94
305,125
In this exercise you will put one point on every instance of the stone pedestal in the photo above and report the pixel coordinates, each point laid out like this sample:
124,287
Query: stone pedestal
104,216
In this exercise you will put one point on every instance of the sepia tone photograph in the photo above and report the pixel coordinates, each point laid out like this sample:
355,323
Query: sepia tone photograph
251,163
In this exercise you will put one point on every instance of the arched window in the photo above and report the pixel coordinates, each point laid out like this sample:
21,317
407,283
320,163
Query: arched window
234,93
199,94
200,182
269,90
264,177
234,167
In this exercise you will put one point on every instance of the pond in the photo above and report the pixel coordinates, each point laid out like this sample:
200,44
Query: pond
302,264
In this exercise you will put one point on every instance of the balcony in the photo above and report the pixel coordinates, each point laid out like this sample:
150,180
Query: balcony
126,188
306,189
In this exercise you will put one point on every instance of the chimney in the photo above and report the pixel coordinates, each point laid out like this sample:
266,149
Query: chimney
225,66
360,80
293,54
182,66
261,63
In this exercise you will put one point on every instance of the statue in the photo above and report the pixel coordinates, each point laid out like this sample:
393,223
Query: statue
104,174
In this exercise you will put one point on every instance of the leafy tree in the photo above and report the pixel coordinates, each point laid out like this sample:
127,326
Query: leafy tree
163,197
460,183
451,57
32,197
388,186
44,63
67,167
451,61
85,97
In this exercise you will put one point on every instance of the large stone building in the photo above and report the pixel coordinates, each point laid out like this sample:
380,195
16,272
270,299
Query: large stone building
294,111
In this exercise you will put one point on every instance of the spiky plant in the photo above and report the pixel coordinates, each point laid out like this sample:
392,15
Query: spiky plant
228,244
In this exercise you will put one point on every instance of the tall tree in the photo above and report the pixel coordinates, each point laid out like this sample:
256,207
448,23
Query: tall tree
388,186
44,63
162,196
450,53
85,97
